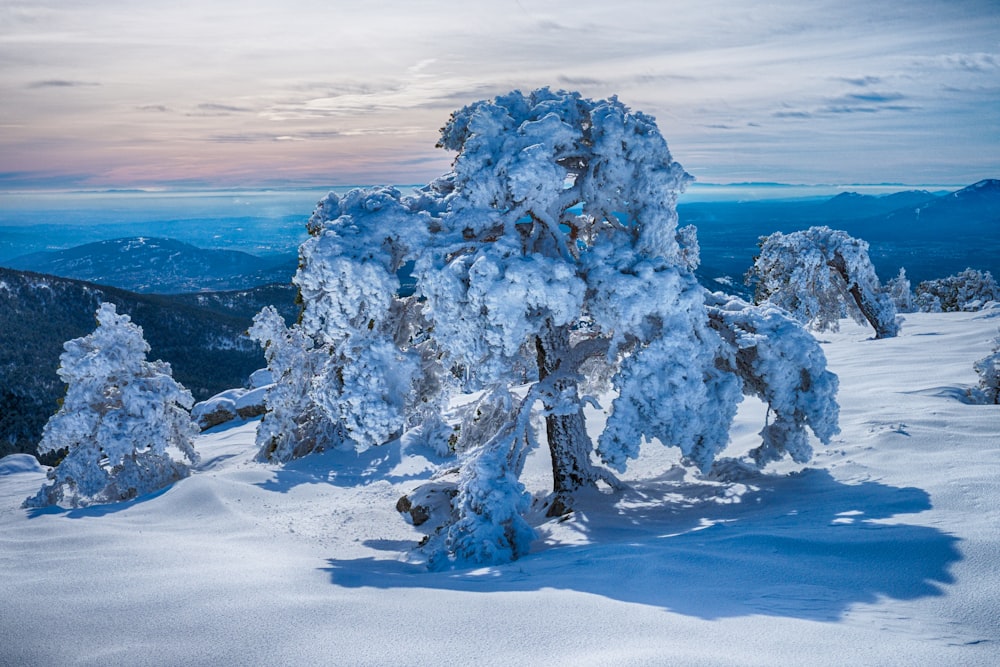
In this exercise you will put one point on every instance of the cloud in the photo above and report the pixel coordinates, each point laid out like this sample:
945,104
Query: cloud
875,97
247,138
866,102
849,108
60,83
211,109
846,108
41,179
387,96
792,114
969,62
311,135
861,81
579,81
153,107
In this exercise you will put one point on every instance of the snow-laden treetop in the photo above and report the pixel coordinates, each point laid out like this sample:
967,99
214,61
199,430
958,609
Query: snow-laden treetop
540,154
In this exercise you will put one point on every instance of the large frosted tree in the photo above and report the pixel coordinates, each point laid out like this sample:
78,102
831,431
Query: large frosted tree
125,421
820,275
549,259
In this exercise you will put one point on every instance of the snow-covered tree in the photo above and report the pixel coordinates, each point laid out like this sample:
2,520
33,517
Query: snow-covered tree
988,369
820,275
901,292
122,420
549,258
968,290
293,424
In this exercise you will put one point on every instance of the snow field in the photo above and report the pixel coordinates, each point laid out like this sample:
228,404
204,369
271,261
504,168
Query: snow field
884,550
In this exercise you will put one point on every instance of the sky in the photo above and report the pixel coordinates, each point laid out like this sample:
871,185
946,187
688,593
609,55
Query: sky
261,93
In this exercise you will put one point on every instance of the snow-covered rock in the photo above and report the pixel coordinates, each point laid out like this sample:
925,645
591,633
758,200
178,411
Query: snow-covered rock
234,403
16,463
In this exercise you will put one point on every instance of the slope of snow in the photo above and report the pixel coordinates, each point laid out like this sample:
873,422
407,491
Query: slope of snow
884,550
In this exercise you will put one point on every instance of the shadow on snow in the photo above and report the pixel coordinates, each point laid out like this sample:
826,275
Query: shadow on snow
349,468
802,545
97,509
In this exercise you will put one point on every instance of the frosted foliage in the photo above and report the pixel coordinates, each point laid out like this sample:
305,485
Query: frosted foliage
486,308
819,275
293,425
626,302
353,316
601,154
347,275
968,290
671,391
901,293
988,369
489,526
387,222
368,394
785,367
122,420
341,295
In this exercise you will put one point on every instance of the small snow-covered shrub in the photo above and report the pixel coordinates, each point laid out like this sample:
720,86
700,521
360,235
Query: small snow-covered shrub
988,369
901,292
121,420
293,425
820,275
968,290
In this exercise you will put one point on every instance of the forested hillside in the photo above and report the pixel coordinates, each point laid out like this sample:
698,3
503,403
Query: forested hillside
202,336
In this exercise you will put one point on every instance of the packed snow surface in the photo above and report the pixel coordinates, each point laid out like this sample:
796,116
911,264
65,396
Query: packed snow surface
884,550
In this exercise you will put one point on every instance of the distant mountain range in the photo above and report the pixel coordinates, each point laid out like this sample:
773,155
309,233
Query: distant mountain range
201,335
158,266
969,213
930,235
854,206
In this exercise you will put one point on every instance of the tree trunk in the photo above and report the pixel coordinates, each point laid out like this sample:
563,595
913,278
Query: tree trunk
869,310
569,444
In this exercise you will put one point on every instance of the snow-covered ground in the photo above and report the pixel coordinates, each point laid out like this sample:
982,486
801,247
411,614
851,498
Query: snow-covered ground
885,550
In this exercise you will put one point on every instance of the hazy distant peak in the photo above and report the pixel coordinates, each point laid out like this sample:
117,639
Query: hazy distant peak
987,185
151,264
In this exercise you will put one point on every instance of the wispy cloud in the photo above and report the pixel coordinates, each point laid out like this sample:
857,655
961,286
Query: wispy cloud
579,80
875,97
861,81
791,114
60,83
213,109
969,62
